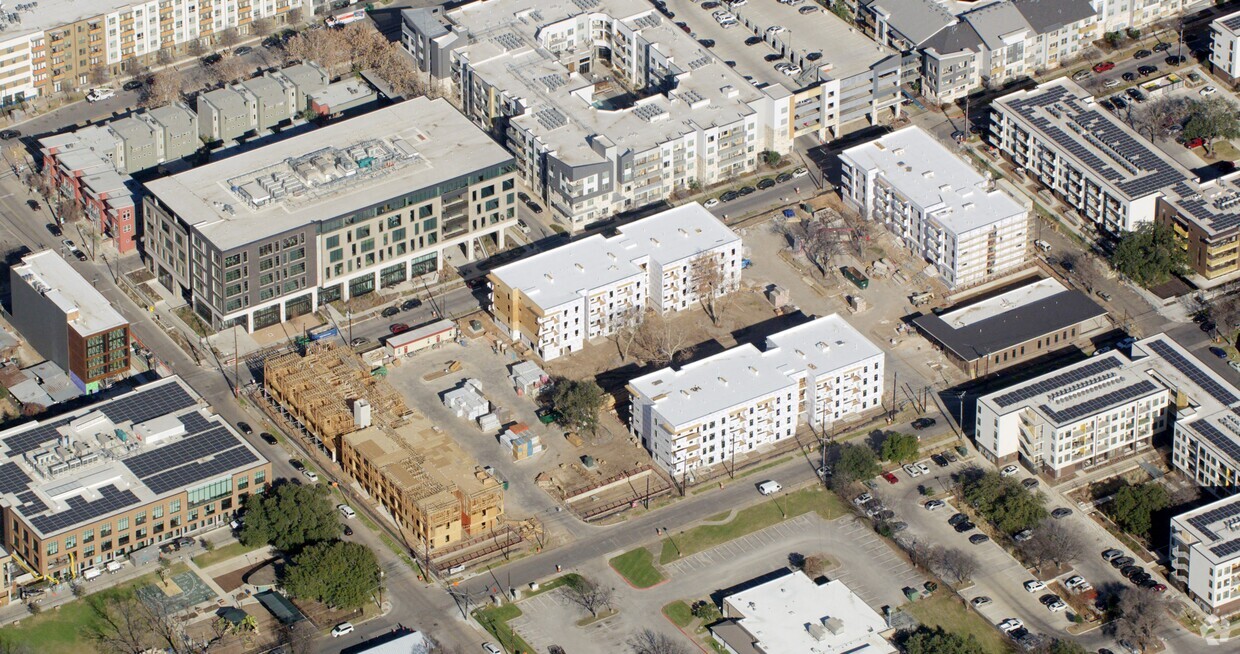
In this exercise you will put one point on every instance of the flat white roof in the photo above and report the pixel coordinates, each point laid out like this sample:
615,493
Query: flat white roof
793,615
419,333
947,187
1003,303
561,275
51,14
430,140
1217,527
85,308
745,373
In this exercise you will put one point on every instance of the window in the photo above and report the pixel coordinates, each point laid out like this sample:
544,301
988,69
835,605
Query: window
210,491
174,506
362,232
157,512
332,242
393,221
88,536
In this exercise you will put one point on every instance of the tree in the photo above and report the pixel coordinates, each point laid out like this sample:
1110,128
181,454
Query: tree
1212,118
1004,502
338,573
100,75
325,47
1160,117
814,565
589,595
164,88
196,48
228,38
649,641
705,611
1150,255
229,69
1064,646
659,341
819,242
164,56
937,641
262,27
899,447
1052,542
771,158
1133,506
1141,614
856,462
710,282
297,638
626,323
957,565
127,624
840,8
1113,39
578,402
289,516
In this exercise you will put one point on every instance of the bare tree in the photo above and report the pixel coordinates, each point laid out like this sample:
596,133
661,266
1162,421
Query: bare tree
649,641
658,341
229,68
196,48
100,75
588,595
816,240
710,282
958,565
325,47
297,638
164,56
228,38
1141,614
295,16
131,625
814,565
1052,542
164,88
262,27
1160,117
626,324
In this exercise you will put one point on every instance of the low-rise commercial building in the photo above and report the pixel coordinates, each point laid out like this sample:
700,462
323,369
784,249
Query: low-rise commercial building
82,489
1205,555
558,300
792,614
68,321
359,205
1225,46
1036,319
731,405
940,207
1088,157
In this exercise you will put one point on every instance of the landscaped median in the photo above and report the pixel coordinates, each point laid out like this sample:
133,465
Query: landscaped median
637,568
949,612
770,512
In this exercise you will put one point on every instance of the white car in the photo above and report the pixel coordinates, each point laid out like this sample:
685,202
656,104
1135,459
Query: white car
491,649
711,203
769,487
912,470
934,505
347,511
1111,83
738,3
342,629
925,469
1078,584
775,29
1042,245
311,475
1057,606
792,70
1033,586
525,229
800,172
1209,90
861,499
1008,471
1009,625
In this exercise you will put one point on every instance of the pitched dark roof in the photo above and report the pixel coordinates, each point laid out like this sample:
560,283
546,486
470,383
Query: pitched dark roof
1050,15
953,39
1020,325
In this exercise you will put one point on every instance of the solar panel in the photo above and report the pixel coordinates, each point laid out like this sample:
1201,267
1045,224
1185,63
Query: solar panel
1101,402
192,448
1194,373
193,473
1057,381
1226,549
1222,442
12,479
81,510
1224,512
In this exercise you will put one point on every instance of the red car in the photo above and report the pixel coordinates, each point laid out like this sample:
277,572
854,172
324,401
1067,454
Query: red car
891,479
398,328
1194,143
1104,66
1159,588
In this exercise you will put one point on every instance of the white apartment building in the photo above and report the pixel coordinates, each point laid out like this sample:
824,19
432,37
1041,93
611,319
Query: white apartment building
1205,555
1100,410
1117,15
1225,45
1087,156
725,407
940,207
558,300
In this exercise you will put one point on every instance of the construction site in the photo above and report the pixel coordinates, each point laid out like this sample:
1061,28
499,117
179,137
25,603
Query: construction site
449,510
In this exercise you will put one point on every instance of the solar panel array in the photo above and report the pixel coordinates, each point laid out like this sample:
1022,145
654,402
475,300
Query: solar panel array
1057,381
1224,443
1232,23
1226,549
1216,217
1229,510
191,448
80,510
550,118
649,20
507,41
1194,373
199,471
1100,403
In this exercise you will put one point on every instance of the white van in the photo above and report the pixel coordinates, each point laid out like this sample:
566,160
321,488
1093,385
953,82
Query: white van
769,487
91,573
347,511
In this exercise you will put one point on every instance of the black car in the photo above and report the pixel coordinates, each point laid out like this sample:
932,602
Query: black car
939,460
813,56
1122,562
707,43
745,190
753,40
185,541
243,50
730,63
728,197
1162,47
1119,102
783,177
212,59
957,519
766,183
388,312
81,256
1030,483
534,206
521,195
1141,54
773,57
1147,70
7,134
1129,76
978,539
410,304
964,526
711,5
54,229
1175,60
1106,104
1136,94
1147,582
245,428
1129,570
922,423
885,514
1066,265
348,531
269,439
133,85
1061,512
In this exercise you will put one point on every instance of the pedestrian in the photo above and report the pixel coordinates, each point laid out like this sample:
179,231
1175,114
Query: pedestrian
557,567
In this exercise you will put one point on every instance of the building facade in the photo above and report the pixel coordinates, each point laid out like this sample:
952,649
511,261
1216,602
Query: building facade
259,104
1206,219
359,205
68,321
86,488
1225,46
1205,555
940,207
712,412
557,301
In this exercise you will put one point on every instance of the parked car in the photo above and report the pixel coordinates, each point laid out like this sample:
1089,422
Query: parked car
1029,483
268,439
1081,75
397,328
783,177
1207,90
359,341
1010,624
1104,66
967,525
1175,60
891,479
939,460
243,50
7,134
534,206
800,172
1161,47
491,649
912,470
957,518
95,95
1009,470
1122,562
1111,554
410,304
753,40
342,629
1110,83
1034,585
934,505
1141,54
388,312
245,428
1061,513
1022,536
978,539
310,474
1218,352
711,203
1146,71
348,531
1194,143
346,511
1129,76
765,184
1136,94
769,487
922,423
979,601
862,499
1234,365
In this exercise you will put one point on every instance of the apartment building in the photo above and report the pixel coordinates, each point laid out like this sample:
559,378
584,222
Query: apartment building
939,205
1102,409
556,301
1224,44
1206,219
258,104
81,489
67,321
1086,156
1205,555
53,46
1114,15
1022,323
362,204
742,401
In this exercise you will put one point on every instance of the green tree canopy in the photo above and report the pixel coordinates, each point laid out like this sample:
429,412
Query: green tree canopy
1212,118
937,641
1134,506
1064,646
1150,255
578,402
338,573
900,447
1005,503
288,516
856,462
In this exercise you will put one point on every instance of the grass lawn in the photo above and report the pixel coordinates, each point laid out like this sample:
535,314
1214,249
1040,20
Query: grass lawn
760,516
679,613
636,566
221,554
495,620
941,610
66,629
